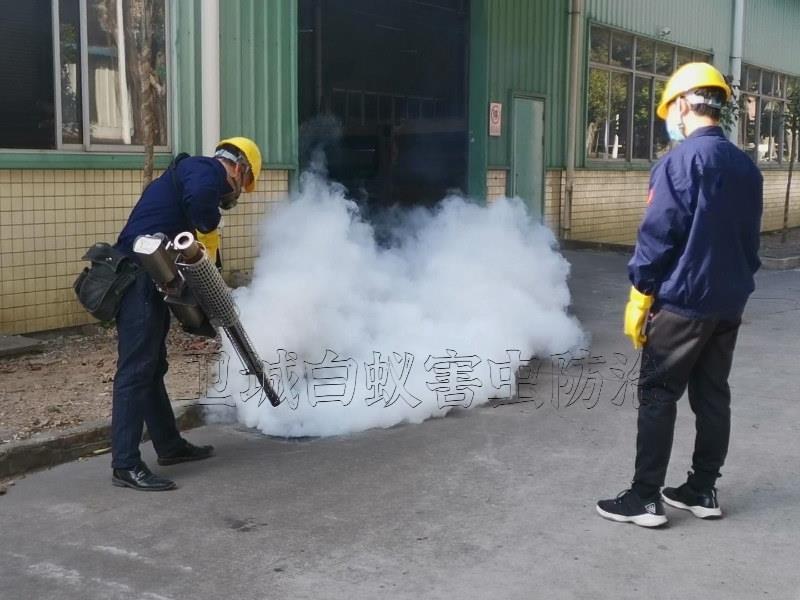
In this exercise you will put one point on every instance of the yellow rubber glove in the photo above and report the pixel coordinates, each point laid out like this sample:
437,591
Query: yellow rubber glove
636,312
211,241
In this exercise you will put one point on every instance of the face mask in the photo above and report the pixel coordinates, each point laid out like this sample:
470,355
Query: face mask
674,129
675,132
229,200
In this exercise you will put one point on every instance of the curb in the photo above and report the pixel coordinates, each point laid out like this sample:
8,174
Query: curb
780,264
54,448
598,246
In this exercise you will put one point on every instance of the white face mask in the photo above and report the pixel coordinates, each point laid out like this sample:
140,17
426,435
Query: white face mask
675,126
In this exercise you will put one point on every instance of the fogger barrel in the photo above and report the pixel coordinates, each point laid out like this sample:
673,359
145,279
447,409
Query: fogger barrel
215,298
158,259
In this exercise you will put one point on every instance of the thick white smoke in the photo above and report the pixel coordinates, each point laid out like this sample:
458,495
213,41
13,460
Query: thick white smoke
476,280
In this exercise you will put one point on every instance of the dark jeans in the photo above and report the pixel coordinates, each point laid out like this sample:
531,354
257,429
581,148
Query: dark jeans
139,392
683,352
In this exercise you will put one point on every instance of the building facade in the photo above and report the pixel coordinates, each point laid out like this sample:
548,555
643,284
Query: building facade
550,100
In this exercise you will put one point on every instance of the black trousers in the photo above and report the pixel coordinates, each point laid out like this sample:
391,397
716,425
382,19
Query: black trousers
683,352
139,393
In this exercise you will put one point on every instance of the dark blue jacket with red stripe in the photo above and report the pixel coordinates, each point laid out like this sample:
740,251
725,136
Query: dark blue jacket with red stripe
697,249
187,201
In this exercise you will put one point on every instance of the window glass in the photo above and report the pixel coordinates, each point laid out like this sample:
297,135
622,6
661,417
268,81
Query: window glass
664,59
621,50
126,49
27,117
660,138
747,125
618,115
767,81
753,80
645,55
621,98
116,57
70,74
597,113
642,114
769,130
684,56
599,45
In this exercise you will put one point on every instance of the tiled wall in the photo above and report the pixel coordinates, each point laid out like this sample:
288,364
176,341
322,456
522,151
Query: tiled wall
49,217
496,183
775,197
608,206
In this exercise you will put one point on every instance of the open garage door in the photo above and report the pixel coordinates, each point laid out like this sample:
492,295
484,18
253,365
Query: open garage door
383,96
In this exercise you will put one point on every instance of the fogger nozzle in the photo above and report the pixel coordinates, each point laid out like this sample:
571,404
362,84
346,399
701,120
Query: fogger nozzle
213,294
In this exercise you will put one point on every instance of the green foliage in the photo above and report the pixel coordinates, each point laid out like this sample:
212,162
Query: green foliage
729,115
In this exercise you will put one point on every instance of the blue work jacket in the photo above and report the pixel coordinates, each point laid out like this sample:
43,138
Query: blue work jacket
697,249
188,201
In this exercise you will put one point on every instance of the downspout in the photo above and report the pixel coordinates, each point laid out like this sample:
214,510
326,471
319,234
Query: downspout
576,38
209,83
736,57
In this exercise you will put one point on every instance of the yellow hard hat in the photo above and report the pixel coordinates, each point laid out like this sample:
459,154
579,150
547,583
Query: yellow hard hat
689,77
251,152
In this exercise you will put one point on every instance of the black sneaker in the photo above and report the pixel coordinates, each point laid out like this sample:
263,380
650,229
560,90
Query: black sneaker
186,452
628,507
702,504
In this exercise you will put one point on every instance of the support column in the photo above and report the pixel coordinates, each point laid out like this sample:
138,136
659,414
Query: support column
210,86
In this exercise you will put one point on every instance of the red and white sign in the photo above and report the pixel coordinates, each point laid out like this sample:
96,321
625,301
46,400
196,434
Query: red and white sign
495,119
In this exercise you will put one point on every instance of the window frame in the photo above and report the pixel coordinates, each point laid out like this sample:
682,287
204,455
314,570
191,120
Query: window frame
86,147
633,74
760,97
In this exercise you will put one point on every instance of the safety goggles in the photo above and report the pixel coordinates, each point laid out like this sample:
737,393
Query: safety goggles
234,158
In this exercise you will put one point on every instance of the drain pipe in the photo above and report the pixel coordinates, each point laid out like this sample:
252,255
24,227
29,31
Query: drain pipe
736,57
576,39
209,82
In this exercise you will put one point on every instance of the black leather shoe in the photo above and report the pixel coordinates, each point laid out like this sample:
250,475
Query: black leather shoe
185,453
140,478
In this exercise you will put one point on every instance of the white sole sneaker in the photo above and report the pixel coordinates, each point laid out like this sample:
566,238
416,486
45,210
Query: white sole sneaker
701,512
645,520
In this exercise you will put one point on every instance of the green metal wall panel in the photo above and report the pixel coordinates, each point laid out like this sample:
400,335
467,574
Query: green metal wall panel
187,133
528,53
478,98
699,24
772,34
259,75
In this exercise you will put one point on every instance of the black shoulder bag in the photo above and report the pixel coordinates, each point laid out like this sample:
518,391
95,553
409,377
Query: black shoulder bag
101,286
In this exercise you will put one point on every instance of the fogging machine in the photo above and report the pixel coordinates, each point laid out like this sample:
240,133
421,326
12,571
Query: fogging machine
198,297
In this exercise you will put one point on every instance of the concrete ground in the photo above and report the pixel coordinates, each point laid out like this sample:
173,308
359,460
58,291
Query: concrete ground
488,503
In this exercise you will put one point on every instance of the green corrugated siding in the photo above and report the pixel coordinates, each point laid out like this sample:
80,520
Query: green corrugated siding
528,53
259,75
186,77
699,24
772,34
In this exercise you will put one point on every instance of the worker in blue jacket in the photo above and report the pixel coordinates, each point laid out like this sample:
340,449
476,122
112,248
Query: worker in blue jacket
692,273
188,196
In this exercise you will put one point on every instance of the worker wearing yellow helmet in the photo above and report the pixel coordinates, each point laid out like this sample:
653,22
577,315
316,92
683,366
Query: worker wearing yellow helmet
691,274
188,196
241,158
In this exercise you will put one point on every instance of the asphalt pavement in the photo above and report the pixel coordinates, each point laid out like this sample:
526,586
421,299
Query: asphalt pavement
494,502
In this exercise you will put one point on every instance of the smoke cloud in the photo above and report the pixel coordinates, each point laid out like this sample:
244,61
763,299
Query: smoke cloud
362,335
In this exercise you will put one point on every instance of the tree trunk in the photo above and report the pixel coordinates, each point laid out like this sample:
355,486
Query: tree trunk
146,76
792,159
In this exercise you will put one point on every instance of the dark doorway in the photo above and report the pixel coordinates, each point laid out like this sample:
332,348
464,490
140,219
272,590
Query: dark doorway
383,94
